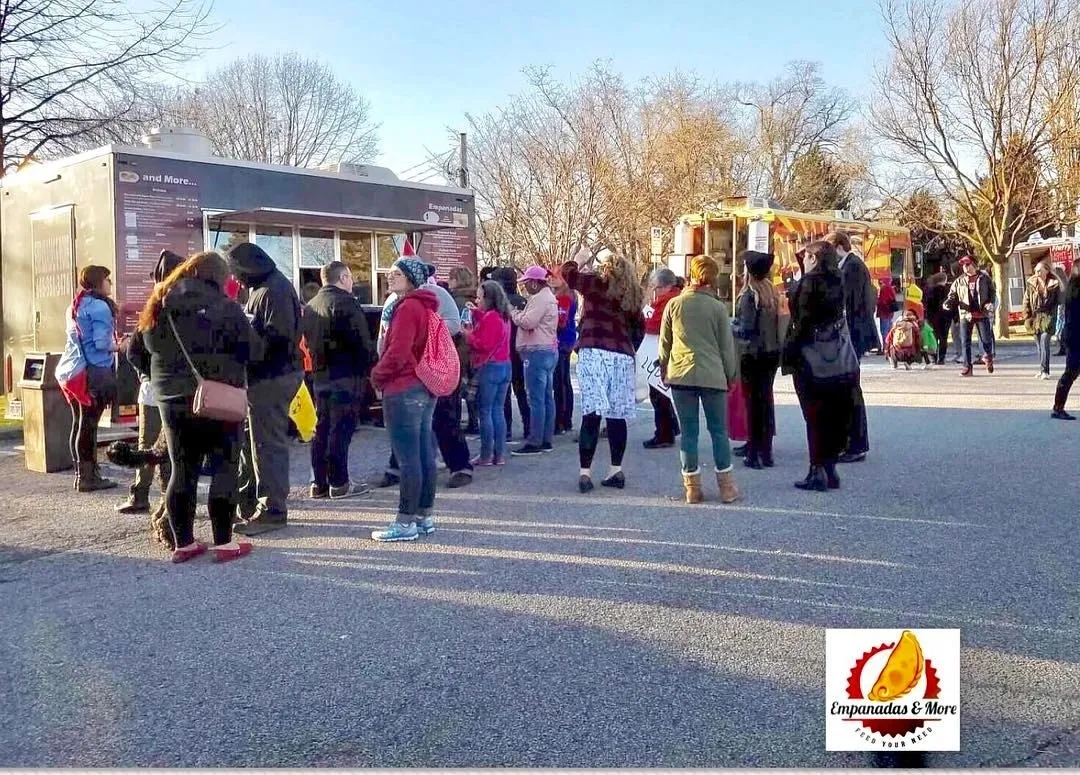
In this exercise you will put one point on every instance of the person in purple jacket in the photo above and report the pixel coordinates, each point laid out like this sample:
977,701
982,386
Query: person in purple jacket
567,336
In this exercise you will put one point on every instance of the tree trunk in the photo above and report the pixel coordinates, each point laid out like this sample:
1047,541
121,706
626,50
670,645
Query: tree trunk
1001,282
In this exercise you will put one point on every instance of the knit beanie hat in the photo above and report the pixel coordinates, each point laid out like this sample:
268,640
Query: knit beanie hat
414,269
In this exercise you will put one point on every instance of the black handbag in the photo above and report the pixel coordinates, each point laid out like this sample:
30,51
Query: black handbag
830,356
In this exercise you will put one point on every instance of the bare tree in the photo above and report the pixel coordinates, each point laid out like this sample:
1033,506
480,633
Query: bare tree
68,68
535,168
281,109
974,100
599,161
791,116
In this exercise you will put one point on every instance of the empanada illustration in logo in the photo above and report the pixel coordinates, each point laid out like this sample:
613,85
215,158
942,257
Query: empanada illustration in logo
902,671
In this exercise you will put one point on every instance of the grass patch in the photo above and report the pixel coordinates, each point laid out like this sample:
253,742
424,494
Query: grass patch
3,410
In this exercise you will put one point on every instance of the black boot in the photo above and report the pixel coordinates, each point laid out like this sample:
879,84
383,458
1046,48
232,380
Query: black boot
739,451
1061,395
832,479
752,459
766,454
815,480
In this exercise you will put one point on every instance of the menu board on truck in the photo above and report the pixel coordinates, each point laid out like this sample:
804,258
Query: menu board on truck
156,210
452,246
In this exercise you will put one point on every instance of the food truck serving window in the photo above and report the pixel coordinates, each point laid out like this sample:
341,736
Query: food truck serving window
356,252
224,235
277,241
316,247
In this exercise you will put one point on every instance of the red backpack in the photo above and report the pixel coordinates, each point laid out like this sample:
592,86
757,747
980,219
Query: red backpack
439,368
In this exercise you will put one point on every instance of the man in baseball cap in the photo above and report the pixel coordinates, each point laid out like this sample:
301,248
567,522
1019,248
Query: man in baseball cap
974,296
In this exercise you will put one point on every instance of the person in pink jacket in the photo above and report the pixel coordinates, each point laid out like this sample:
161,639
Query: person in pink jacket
537,342
489,355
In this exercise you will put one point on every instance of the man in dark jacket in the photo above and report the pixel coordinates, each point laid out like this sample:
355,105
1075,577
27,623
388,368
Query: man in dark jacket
274,311
507,277
340,346
860,306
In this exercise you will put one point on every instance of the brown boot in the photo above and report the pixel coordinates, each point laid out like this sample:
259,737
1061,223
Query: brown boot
725,480
89,480
692,483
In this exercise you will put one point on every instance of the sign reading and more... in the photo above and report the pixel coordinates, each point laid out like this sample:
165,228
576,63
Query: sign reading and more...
156,210
892,690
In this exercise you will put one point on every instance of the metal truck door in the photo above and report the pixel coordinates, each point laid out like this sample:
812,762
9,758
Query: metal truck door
53,282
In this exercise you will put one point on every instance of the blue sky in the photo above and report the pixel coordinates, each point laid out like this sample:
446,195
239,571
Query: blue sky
424,65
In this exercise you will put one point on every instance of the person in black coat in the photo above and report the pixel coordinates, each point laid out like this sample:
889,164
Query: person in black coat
274,311
194,332
939,318
507,277
339,342
860,306
150,431
817,301
1070,337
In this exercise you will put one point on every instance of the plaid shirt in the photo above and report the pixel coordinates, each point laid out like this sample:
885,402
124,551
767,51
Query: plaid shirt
604,324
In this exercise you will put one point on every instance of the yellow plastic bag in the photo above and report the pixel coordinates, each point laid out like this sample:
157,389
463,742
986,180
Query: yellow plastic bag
302,413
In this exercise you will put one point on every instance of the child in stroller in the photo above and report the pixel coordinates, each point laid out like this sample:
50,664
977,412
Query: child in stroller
904,343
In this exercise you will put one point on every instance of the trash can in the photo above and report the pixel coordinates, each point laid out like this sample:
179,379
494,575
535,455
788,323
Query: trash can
46,416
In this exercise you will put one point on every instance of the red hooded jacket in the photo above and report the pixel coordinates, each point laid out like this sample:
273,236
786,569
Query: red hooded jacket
652,324
406,339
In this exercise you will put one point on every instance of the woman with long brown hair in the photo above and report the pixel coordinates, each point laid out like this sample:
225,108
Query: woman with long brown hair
758,334
612,329
193,331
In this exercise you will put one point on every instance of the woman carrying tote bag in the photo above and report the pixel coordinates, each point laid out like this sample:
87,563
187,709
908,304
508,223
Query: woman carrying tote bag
819,355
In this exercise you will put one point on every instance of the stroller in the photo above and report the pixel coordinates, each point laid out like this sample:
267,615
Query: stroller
904,344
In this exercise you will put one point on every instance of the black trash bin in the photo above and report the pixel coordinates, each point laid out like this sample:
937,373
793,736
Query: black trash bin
46,416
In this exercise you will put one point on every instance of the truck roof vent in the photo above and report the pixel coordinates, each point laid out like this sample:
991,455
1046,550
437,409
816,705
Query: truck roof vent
369,171
178,140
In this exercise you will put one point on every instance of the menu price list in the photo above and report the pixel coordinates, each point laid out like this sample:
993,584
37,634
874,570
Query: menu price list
448,249
152,221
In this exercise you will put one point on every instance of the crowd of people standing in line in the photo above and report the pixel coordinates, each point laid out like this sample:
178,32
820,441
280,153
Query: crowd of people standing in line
509,347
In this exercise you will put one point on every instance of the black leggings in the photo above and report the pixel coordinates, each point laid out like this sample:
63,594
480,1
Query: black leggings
84,429
941,331
190,440
590,438
1064,385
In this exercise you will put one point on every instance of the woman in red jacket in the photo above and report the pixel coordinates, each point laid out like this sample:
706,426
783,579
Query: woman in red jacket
886,307
664,287
408,406
489,353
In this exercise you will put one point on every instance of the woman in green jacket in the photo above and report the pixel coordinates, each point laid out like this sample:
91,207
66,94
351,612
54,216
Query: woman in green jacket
698,362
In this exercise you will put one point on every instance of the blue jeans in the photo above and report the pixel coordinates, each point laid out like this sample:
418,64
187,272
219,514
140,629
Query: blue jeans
986,338
1042,341
494,381
407,416
540,389
714,402
884,324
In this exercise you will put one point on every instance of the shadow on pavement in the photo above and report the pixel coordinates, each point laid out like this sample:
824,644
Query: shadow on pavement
540,628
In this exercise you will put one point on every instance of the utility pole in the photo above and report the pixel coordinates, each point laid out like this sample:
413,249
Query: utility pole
463,166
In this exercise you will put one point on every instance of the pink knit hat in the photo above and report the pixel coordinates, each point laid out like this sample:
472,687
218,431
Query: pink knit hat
536,273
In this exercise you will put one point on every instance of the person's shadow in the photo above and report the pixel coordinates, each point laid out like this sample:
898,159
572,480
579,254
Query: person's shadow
901,760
